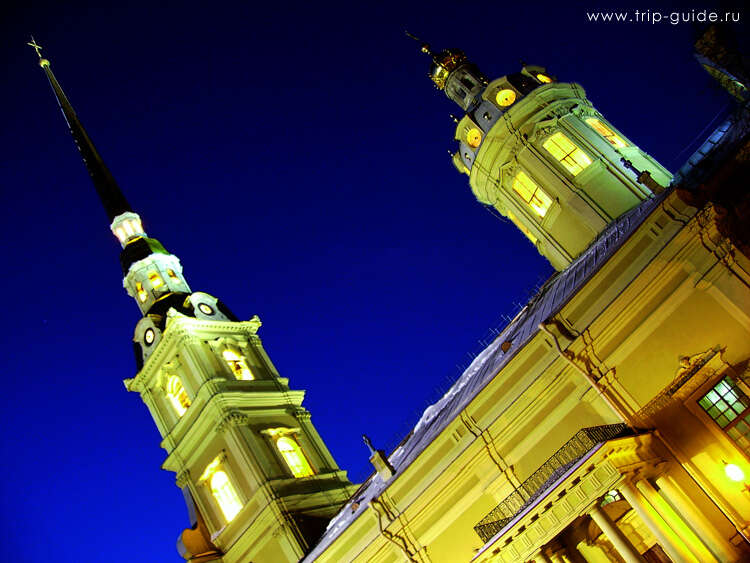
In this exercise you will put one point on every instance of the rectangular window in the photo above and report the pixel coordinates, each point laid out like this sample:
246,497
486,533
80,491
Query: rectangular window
532,194
729,407
155,279
610,136
569,155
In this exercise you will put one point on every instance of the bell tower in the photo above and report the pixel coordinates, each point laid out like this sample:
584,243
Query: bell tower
259,482
538,151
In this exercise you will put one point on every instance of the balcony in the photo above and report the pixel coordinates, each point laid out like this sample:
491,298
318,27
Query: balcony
551,470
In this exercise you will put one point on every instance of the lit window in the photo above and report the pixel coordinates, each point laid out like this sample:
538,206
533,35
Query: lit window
237,364
523,228
505,97
293,456
177,395
155,279
532,194
611,496
569,155
171,273
142,295
225,495
610,136
543,78
222,489
729,407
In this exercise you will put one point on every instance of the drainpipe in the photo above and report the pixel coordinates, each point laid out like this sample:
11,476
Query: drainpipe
589,377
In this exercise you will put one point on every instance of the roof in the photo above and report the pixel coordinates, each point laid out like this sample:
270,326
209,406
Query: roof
546,303
550,299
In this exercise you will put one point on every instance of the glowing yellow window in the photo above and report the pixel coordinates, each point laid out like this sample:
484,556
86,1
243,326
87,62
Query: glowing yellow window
177,395
543,78
610,136
171,273
569,155
225,495
155,279
237,364
523,228
293,456
532,194
142,295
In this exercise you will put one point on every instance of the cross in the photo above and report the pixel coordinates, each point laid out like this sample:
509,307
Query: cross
36,47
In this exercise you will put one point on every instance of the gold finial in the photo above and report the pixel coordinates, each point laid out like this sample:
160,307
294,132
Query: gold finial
38,48
425,46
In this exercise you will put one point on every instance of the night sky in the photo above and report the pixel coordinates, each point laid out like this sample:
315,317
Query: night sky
295,157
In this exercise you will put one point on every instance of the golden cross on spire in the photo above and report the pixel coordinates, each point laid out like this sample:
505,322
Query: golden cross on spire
36,47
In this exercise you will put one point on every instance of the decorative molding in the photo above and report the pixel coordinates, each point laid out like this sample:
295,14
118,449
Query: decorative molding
280,431
183,478
234,418
302,414
693,371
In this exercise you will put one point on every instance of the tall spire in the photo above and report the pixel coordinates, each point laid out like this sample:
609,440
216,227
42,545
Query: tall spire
109,192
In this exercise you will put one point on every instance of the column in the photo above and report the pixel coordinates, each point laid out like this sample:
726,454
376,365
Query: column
540,557
621,543
719,546
592,553
675,522
667,539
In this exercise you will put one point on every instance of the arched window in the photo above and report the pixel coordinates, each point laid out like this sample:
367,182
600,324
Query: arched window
237,364
155,279
177,395
225,495
142,295
570,156
294,457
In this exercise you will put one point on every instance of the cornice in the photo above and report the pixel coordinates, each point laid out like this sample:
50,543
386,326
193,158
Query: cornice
181,329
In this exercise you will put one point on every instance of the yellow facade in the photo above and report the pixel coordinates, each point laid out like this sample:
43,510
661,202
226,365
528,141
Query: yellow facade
640,342
610,421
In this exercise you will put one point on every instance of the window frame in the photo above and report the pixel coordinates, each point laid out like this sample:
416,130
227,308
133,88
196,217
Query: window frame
690,401
274,435
563,161
241,361
515,180
221,464
605,126
174,400
738,385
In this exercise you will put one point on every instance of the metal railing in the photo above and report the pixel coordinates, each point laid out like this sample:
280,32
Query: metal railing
573,450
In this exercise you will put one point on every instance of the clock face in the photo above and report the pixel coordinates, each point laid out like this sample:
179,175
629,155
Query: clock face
205,309
149,336
505,97
473,137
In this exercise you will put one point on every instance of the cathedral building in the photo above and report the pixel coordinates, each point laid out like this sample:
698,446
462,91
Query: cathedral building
609,421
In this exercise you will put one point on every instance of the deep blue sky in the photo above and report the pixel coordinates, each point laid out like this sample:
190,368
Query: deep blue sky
295,157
